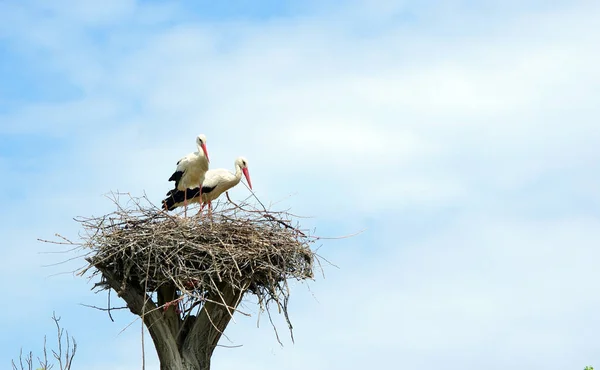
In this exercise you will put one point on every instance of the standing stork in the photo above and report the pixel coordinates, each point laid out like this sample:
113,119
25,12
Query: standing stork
216,182
191,170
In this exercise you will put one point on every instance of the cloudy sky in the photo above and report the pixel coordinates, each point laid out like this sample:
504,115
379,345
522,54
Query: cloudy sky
461,135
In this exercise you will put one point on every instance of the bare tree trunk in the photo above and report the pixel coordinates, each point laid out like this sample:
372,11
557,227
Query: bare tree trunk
186,344
207,329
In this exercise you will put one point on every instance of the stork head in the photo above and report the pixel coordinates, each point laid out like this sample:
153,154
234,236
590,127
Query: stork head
201,142
243,164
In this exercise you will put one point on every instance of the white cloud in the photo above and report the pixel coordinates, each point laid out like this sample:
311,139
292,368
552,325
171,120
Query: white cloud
470,126
487,290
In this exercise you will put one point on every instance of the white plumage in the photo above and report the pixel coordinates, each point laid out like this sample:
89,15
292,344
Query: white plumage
216,182
191,169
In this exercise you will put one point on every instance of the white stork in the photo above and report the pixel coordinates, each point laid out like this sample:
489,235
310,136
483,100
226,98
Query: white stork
191,170
216,182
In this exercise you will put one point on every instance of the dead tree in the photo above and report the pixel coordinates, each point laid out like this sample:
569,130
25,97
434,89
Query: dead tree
64,354
185,277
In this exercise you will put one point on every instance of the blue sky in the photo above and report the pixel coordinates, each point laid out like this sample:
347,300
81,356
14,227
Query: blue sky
461,135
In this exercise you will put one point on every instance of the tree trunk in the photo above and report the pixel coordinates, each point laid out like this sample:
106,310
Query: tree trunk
181,344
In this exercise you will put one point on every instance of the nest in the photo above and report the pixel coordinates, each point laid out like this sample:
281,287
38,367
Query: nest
245,247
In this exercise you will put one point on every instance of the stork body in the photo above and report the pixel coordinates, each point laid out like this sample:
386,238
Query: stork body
216,182
191,170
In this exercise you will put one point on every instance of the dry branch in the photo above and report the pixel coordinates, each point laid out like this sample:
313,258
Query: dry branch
186,276
64,363
241,246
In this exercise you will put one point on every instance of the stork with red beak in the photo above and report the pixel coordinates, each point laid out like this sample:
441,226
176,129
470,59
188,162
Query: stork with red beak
216,182
191,170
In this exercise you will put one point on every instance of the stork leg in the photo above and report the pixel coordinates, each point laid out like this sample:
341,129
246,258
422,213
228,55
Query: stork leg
185,203
200,197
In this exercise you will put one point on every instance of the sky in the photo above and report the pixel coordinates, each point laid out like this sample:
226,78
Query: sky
461,136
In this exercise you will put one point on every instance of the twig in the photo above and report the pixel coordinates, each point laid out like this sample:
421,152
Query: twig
105,308
247,247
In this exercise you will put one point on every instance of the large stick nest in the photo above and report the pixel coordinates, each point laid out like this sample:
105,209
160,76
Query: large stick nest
248,248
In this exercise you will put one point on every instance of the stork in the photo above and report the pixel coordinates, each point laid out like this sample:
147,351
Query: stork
216,182
191,170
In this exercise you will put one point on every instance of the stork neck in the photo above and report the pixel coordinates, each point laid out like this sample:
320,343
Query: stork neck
238,173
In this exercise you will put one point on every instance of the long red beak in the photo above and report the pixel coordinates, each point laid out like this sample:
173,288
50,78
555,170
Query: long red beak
205,152
247,175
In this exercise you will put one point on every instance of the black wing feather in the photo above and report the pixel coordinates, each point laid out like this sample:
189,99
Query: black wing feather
176,176
175,196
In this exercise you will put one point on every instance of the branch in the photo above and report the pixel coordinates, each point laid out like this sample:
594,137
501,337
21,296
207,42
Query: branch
141,304
212,320
63,362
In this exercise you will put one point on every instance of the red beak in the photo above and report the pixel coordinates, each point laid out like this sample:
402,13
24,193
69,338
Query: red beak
247,175
205,152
